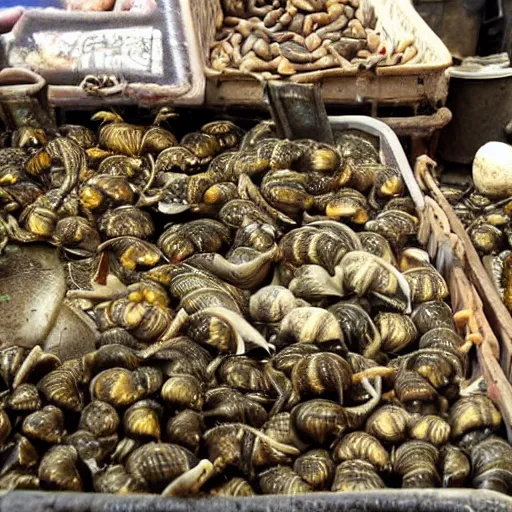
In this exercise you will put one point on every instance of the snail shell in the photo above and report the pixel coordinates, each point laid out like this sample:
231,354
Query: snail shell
362,446
183,392
426,284
472,413
120,387
61,387
394,225
5,427
92,450
388,424
315,467
228,134
19,480
212,331
185,429
11,359
432,429
376,244
313,282
243,373
100,418
317,374
359,331
356,475
271,304
45,425
346,204
491,461
486,238
286,359
226,405
24,398
234,487
157,464
397,331
416,462
365,273
115,480
455,466
309,325
430,314
142,419
321,420
126,221
411,388
58,469
110,356
282,480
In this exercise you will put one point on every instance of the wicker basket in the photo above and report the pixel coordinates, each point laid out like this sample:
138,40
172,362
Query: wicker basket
421,81
494,307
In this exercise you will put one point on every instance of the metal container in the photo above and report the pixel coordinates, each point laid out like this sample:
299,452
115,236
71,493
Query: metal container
481,104
115,57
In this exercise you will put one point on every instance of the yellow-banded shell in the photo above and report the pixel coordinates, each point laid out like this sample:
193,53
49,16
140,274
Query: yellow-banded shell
491,462
315,467
397,331
356,475
58,469
234,487
142,419
455,466
472,413
362,446
416,462
426,284
186,429
282,480
45,425
5,426
100,418
24,398
432,429
430,314
389,424
183,392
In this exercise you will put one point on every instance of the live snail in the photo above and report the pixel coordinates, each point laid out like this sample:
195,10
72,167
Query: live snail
254,316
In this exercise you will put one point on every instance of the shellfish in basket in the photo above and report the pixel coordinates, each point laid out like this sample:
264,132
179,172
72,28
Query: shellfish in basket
233,314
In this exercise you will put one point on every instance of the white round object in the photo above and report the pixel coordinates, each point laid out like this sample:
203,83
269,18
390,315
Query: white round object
492,170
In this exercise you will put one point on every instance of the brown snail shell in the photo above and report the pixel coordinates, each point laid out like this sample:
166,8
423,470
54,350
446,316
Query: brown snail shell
183,392
426,284
234,487
376,244
486,238
362,446
115,480
359,331
19,480
286,359
58,469
92,450
411,388
61,387
100,418
282,480
356,475
227,405
472,413
36,365
5,427
388,424
126,221
243,373
120,387
45,425
491,461
397,331
19,454
432,429
24,398
224,446
416,462
142,419
317,374
157,464
430,314
309,325
365,273
11,359
209,330
271,304
455,466
186,429
110,356
394,225
315,467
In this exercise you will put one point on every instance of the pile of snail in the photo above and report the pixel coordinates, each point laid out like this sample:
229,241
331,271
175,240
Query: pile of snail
265,322
487,221
285,37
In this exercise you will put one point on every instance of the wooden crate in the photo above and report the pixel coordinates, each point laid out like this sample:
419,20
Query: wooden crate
422,81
